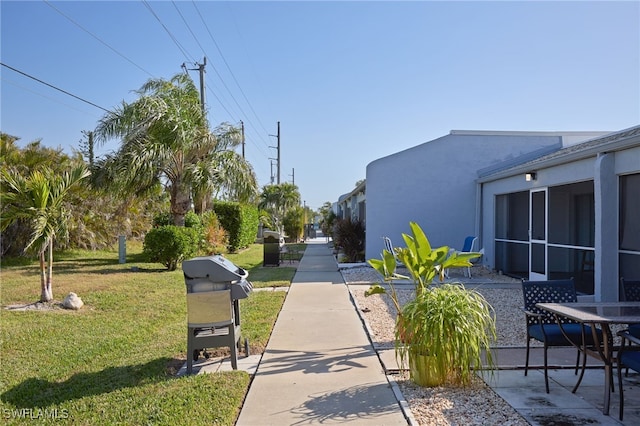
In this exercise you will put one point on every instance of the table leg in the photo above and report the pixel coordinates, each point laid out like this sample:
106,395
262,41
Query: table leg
608,362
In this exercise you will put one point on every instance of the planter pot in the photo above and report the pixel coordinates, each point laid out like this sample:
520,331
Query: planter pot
424,370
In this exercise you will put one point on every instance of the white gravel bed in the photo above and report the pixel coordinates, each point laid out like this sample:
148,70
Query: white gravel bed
380,312
475,405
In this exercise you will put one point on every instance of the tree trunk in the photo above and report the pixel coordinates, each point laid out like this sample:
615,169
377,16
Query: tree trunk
180,202
43,278
46,293
199,202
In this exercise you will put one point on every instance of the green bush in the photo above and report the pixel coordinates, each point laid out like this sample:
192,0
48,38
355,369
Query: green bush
240,221
191,220
293,224
171,244
349,235
162,219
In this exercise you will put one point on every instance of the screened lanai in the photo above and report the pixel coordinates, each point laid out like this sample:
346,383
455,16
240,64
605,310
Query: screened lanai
574,213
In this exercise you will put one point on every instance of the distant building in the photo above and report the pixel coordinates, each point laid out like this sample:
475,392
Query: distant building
353,204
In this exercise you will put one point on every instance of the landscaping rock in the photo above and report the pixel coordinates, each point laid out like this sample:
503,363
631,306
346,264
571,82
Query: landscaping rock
72,301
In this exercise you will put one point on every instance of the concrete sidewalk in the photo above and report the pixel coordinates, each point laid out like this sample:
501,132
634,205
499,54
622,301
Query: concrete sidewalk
319,366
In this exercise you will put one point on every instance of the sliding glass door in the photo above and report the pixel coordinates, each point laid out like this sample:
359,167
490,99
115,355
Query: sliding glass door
538,235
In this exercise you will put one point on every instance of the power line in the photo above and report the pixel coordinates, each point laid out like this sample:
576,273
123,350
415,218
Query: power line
188,27
235,22
97,38
175,40
53,87
58,101
218,94
231,72
213,92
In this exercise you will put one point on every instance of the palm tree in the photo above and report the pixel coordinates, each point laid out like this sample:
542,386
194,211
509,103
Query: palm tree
166,139
277,200
40,200
222,175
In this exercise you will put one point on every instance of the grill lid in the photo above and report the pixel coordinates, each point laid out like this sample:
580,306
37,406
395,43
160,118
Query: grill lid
214,268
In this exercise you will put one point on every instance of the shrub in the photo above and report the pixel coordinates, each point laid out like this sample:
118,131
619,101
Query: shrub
293,223
162,219
240,221
191,220
327,222
171,244
349,235
214,235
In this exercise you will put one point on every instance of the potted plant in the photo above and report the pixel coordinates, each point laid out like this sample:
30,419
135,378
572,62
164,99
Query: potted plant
444,329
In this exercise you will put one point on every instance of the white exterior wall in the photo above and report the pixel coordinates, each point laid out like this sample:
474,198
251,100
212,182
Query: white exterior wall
434,185
604,170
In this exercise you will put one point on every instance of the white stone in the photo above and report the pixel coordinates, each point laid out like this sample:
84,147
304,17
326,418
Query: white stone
72,301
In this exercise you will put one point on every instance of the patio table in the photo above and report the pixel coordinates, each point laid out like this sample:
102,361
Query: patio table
598,315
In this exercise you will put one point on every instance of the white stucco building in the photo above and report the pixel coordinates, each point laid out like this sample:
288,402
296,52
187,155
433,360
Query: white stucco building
579,215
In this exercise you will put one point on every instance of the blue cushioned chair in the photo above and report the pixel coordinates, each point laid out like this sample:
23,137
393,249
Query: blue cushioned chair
628,357
467,247
631,291
543,325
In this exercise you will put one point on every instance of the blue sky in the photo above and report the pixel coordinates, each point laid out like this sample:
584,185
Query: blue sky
350,82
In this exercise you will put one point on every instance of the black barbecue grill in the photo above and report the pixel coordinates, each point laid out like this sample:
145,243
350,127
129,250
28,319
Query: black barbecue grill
214,287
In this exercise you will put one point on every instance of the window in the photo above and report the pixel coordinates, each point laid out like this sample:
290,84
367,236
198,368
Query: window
572,214
629,227
512,234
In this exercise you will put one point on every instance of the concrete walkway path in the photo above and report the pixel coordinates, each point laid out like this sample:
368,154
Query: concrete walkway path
319,366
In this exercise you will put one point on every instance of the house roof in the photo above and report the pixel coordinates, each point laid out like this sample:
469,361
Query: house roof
360,188
556,155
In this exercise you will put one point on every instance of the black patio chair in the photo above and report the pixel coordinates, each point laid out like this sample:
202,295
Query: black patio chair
628,357
543,325
631,291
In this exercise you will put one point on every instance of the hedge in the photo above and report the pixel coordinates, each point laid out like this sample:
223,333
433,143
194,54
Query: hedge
240,221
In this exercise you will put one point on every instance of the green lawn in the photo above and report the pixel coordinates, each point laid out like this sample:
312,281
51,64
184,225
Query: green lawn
114,361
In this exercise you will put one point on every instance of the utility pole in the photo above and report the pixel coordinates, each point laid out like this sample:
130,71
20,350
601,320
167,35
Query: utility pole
279,163
278,147
272,159
293,176
201,70
242,128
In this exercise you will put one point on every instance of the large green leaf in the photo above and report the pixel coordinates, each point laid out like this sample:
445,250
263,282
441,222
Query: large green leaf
421,243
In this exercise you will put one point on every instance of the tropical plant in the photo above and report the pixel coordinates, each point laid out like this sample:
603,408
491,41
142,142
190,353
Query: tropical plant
216,238
445,328
276,200
23,161
327,218
166,139
39,199
293,223
97,217
349,236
